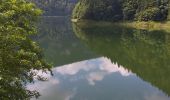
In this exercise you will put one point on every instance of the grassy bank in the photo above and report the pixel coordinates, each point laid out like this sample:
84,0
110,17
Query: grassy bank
165,26
148,25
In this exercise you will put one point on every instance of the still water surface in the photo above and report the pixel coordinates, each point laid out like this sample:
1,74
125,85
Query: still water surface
103,62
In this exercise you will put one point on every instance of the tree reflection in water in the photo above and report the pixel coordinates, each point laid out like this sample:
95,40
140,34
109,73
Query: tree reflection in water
144,52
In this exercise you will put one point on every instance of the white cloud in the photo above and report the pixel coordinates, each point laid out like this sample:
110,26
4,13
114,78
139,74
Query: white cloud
73,69
103,64
109,67
104,68
95,76
94,70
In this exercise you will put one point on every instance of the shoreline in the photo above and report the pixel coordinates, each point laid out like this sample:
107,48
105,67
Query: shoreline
150,25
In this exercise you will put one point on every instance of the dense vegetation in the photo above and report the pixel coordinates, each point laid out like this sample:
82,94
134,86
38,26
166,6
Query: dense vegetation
142,10
145,53
19,55
55,7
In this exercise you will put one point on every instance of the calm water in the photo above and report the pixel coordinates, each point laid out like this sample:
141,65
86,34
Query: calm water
103,62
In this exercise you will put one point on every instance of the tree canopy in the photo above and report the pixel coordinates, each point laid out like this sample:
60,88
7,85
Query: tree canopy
55,7
19,55
142,10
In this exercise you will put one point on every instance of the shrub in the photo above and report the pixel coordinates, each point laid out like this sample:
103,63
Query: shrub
153,14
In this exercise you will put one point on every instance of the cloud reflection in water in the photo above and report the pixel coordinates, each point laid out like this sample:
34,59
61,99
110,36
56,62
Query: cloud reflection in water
95,79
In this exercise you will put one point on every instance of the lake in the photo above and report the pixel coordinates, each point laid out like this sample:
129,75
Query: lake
103,62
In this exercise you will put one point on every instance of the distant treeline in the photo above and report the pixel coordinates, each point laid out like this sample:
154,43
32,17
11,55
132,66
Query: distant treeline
55,7
142,10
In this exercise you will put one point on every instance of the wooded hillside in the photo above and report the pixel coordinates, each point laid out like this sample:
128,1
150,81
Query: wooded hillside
55,7
142,10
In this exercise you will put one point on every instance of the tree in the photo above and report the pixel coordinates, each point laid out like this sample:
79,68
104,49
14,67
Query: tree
19,55
129,9
116,10
55,7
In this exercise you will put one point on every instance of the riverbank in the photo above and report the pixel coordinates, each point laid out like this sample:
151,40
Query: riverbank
148,25
165,26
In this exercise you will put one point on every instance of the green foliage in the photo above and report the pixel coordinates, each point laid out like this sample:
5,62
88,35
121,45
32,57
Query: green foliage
168,10
98,10
149,14
129,9
55,7
82,12
156,12
19,55
142,10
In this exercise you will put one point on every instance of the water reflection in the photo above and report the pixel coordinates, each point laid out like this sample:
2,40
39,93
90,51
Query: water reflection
96,79
60,44
104,62
145,53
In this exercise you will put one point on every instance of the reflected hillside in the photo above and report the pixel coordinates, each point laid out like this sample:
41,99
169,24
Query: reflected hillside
59,43
146,53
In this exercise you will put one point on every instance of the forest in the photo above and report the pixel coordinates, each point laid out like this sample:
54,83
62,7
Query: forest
116,10
55,7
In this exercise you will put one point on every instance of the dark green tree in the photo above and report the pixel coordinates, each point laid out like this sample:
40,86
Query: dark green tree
116,10
55,7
